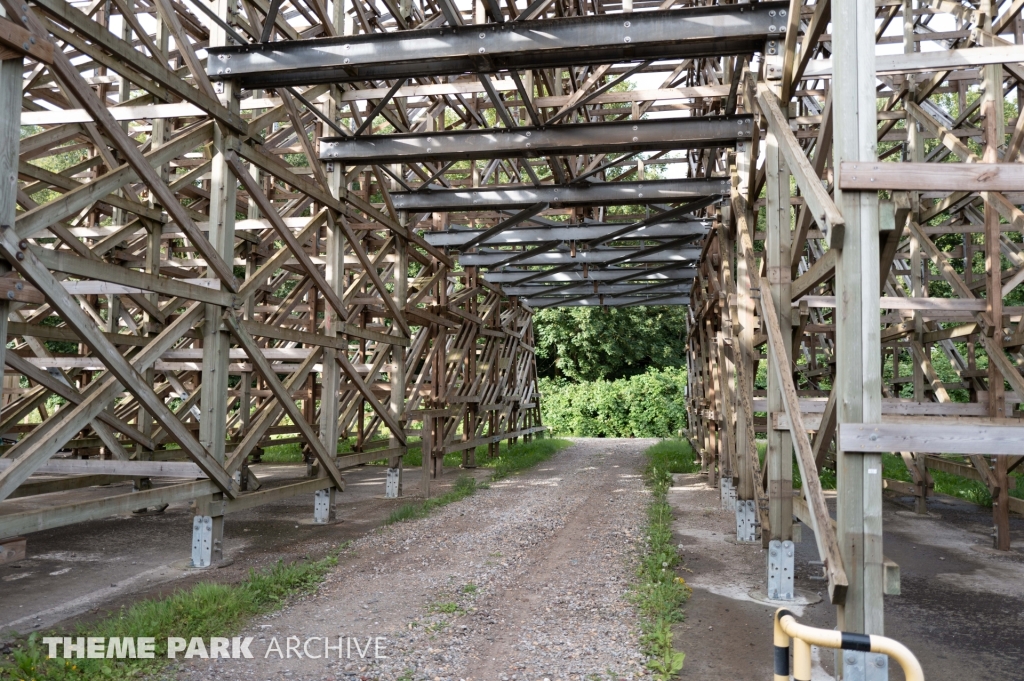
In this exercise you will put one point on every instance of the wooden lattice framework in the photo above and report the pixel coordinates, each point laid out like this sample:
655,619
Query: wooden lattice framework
873,233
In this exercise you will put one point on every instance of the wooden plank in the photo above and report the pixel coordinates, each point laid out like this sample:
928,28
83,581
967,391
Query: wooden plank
938,60
67,514
822,208
947,177
892,569
149,469
828,547
68,263
938,437
894,303
21,41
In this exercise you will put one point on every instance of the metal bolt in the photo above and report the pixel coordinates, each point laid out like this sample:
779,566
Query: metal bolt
850,659
482,36
634,127
482,50
771,29
10,295
628,39
20,255
23,244
24,46
782,12
347,60
636,139
879,661
626,24
771,12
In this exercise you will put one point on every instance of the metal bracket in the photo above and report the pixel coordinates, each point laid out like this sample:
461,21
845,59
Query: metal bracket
746,520
728,494
392,486
773,60
860,665
781,560
322,506
202,541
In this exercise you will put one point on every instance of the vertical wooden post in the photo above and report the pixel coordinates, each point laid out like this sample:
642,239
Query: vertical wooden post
992,115
778,252
745,318
216,341
396,377
11,71
858,343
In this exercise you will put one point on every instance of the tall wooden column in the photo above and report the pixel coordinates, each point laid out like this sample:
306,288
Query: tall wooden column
778,248
216,339
11,71
858,344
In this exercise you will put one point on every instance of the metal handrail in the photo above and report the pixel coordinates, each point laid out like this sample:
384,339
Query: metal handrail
803,637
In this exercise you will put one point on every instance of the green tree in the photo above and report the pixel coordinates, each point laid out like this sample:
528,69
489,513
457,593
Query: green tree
588,343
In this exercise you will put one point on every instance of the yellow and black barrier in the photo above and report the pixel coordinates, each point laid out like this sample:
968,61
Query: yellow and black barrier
803,637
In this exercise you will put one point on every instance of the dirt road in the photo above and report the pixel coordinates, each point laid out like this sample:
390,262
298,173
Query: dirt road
527,580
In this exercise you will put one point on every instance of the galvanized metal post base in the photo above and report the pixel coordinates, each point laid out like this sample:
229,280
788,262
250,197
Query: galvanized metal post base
746,520
859,665
781,561
393,485
728,491
324,506
207,540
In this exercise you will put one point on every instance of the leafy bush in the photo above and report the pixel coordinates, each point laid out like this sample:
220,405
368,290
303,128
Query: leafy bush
647,405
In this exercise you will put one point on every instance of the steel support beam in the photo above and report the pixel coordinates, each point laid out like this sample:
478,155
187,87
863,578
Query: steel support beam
594,257
607,274
610,301
534,235
558,196
606,39
555,292
530,142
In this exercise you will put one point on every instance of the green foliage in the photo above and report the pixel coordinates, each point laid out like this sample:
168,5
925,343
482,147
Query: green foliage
588,343
522,456
462,488
646,405
205,610
659,594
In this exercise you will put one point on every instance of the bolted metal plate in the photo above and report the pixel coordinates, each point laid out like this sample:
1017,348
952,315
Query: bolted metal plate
391,486
746,520
728,491
322,506
781,563
202,541
860,665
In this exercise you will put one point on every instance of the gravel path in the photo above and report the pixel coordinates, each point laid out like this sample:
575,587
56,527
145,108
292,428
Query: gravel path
527,580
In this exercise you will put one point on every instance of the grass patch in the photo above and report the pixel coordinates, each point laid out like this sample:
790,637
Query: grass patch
204,610
462,488
659,594
514,459
446,607
522,456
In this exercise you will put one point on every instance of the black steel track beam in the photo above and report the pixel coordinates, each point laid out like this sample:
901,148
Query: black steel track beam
660,274
534,235
488,48
558,196
596,256
610,301
609,290
619,136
